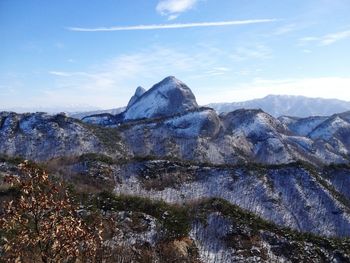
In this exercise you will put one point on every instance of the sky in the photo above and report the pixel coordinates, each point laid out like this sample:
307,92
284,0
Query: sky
81,55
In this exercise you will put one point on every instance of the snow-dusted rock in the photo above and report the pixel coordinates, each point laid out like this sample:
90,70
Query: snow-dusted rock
39,136
302,126
289,195
167,98
104,119
138,93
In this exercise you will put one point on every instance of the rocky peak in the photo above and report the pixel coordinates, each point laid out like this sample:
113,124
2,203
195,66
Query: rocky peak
138,93
166,98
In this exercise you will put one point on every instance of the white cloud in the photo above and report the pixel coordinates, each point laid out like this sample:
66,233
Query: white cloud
59,45
257,51
216,71
173,26
112,83
173,8
332,38
285,29
326,39
60,73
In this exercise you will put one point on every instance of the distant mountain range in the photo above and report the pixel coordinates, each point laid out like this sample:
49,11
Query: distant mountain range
286,105
275,105
81,115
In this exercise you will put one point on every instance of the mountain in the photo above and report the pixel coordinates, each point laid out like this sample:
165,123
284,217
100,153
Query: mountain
333,130
81,115
251,166
39,136
275,105
138,93
207,230
278,105
166,98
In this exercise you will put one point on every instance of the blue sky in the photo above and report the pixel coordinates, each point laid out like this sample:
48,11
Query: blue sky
93,54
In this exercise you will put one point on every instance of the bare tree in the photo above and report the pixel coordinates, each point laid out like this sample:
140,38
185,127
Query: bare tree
42,223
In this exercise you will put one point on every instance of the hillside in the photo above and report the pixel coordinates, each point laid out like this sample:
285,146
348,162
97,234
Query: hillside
241,186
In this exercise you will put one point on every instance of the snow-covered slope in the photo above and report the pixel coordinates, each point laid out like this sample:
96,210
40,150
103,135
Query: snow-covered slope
289,195
82,115
138,93
302,126
188,132
332,132
166,121
242,135
167,98
278,105
39,136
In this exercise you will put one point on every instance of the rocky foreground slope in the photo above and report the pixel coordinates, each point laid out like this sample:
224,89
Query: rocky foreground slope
163,146
201,230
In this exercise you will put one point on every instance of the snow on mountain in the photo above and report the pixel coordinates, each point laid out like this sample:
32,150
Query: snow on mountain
39,136
82,115
302,126
104,119
278,105
188,132
194,124
275,105
345,116
329,128
262,132
167,98
138,93
289,195
252,123
200,134
330,132
163,146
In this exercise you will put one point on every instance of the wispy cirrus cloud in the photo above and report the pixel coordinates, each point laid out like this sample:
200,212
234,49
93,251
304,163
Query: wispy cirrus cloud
256,51
285,29
60,73
173,26
173,8
67,74
111,83
328,39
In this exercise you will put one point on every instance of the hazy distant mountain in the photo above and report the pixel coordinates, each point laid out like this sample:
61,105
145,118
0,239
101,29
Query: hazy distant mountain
70,110
275,105
279,105
81,115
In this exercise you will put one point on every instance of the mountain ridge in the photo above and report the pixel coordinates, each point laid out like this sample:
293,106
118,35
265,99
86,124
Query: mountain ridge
291,171
288,105
300,110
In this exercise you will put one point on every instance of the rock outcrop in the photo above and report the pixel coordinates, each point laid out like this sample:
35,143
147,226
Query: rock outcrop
138,93
167,98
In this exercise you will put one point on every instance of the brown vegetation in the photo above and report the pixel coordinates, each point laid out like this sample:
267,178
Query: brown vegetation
42,223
